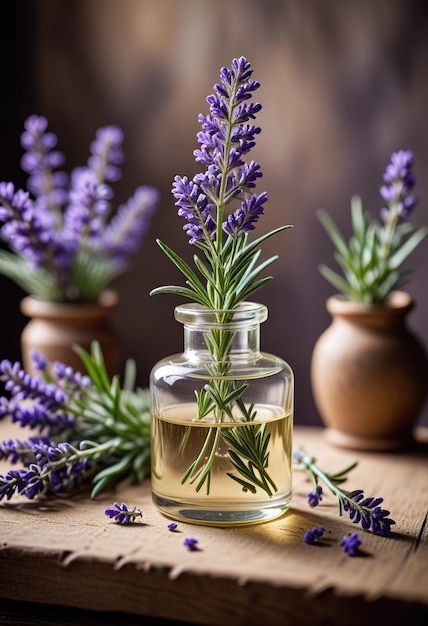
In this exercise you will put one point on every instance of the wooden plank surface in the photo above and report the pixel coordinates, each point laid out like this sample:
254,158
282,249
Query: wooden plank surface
65,551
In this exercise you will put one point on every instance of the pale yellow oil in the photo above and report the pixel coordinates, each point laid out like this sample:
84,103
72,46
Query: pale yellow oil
177,439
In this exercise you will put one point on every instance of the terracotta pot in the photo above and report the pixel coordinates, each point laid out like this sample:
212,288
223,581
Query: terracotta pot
55,327
369,374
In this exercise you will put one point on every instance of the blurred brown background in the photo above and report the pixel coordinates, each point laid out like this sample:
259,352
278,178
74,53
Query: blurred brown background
343,85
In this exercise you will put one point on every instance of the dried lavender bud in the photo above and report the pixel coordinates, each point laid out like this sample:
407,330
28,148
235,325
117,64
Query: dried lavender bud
315,496
313,535
351,544
122,514
190,543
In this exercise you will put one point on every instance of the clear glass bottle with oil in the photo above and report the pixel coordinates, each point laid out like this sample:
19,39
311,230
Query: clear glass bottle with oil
222,422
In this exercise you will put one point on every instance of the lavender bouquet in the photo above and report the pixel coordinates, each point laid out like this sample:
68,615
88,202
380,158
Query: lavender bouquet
87,428
66,244
372,259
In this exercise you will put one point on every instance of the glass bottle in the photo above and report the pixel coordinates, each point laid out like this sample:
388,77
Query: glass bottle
222,419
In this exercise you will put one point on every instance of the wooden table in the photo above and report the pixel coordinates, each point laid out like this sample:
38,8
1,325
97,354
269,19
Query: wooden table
66,556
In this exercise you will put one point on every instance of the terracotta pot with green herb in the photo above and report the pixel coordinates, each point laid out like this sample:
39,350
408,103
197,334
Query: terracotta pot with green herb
369,370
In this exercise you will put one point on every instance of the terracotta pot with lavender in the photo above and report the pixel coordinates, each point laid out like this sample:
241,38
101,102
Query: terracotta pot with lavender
67,245
56,327
369,370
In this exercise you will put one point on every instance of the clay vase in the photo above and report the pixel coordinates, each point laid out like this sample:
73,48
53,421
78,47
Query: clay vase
55,327
369,374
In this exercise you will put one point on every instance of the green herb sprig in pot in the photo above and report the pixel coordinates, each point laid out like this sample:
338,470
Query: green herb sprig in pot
371,261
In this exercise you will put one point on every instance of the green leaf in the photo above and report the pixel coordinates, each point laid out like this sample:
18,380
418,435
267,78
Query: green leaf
99,486
358,221
116,469
407,248
130,375
333,232
35,282
253,287
184,268
94,365
181,291
337,281
91,272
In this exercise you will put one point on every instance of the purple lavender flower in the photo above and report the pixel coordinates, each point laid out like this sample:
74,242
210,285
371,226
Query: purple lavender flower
368,513
315,496
191,543
122,237
312,535
74,381
172,526
41,161
12,482
40,362
122,514
34,482
85,215
401,180
351,544
195,207
27,229
27,481
106,153
58,234
60,467
226,137
51,468
24,386
38,417
17,450
361,510
243,219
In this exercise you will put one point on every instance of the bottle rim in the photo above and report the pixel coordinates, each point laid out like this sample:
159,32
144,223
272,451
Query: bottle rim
198,315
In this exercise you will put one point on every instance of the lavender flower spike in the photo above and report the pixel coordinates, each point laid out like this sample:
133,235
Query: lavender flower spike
123,235
107,154
361,510
226,137
41,161
400,181
24,386
368,512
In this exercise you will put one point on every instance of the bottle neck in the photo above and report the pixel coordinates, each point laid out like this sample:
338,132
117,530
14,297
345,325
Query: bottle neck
221,336
219,345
